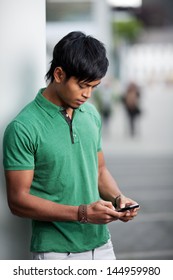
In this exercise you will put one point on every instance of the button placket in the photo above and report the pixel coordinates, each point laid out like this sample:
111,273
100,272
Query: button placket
75,135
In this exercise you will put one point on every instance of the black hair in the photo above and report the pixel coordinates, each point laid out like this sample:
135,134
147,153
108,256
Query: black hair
81,56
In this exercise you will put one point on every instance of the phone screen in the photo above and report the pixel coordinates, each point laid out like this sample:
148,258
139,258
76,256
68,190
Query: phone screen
129,207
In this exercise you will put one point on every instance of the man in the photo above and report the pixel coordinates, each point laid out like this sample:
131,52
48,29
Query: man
54,165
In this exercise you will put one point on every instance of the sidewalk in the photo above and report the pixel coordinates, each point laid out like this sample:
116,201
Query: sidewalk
149,181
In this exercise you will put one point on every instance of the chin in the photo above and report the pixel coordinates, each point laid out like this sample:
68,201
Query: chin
74,107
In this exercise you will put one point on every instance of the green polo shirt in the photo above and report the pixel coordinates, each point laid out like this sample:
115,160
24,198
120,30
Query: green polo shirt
65,164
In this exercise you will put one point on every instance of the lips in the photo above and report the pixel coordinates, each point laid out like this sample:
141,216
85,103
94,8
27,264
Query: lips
80,101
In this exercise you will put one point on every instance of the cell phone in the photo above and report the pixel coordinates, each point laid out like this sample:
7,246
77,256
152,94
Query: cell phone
129,207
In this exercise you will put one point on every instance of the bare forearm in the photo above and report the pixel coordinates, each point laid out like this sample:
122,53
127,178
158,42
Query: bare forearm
108,187
27,205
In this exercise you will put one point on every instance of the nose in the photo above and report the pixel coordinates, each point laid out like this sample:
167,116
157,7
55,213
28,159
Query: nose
87,92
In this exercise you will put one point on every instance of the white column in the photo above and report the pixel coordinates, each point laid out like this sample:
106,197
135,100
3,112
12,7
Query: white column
102,24
22,70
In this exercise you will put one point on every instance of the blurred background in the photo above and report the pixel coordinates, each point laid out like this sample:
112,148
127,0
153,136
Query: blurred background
135,101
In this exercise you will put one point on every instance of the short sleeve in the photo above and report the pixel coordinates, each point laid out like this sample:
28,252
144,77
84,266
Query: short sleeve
18,149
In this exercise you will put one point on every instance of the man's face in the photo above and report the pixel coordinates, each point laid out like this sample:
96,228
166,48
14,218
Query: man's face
73,93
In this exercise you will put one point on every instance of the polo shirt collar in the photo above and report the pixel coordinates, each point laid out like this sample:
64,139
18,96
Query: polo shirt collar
50,108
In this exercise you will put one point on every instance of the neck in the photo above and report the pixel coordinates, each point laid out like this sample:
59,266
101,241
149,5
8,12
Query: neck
50,94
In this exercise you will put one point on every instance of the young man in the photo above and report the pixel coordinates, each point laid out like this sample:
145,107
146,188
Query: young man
53,160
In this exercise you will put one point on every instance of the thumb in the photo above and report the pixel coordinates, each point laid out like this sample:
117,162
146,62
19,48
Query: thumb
122,204
122,201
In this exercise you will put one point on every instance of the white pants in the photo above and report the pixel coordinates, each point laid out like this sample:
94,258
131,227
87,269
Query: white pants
104,252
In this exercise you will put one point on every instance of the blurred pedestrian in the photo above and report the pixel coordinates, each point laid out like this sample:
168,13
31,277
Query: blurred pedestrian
54,164
106,97
131,102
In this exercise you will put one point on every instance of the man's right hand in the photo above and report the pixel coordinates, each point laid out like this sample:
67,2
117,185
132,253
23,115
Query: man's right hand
102,212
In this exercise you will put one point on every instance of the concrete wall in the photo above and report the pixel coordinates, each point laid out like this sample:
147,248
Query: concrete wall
22,70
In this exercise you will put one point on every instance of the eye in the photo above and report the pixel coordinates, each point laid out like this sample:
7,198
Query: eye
82,86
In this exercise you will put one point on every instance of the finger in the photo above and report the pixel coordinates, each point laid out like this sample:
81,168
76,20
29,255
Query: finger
114,215
127,213
134,214
126,219
106,220
107,204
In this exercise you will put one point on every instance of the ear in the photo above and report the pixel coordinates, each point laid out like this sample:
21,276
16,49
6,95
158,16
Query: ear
59,74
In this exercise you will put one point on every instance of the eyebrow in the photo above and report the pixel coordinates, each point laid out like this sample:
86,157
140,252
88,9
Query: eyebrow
87,84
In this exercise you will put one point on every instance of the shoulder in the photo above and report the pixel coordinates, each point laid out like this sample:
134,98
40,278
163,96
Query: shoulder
24,120
27,113
91,109
92,112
